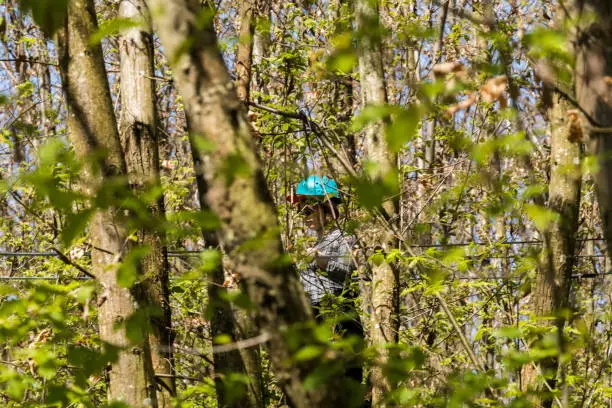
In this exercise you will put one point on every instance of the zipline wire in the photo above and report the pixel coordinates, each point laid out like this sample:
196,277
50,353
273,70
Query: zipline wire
186,253
178,253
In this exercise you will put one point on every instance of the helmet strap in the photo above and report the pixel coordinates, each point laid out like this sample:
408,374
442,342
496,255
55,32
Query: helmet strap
321,215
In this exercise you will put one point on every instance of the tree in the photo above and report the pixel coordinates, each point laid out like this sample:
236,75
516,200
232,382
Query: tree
553,283
238,195
482,237
139,140
593,65
93,131
384,324
244,55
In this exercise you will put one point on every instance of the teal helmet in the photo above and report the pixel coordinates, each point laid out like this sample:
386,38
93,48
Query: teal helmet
316,186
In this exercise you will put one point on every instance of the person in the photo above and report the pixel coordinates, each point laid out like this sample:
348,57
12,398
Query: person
329,273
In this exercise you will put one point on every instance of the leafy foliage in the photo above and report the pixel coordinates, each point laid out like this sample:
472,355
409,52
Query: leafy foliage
472,142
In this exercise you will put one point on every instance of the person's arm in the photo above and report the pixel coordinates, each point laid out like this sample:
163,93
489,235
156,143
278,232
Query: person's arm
341,266
338,270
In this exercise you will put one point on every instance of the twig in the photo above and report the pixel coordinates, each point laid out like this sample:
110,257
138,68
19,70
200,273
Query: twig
180,377
293,115
242,344
62,257
185,350
29,61
462,338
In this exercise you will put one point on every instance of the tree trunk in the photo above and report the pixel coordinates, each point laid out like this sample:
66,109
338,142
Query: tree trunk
93,132
384,324
552,288
261,44
593,70
237,193
222,321
244,55
244,327
139,138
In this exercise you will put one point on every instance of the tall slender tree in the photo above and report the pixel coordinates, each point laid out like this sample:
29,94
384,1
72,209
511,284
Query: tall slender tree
553,283
237,193
244,55
384,324
92,128
245,328
139,139
593,71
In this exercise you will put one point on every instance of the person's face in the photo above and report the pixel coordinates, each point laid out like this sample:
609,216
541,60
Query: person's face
313,217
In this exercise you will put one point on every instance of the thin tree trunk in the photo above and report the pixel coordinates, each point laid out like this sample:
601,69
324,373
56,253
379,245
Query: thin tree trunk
241,325
552,288
244,55
92,129
139,137
384,324
249,230
222,320
593,71
261,44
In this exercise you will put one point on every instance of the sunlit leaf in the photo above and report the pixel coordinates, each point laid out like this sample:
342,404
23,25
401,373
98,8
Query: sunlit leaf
308,353
542,217
403,128
129,270
48,14
75,225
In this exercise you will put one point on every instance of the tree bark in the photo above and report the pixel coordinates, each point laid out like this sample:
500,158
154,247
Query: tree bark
222,321
139,139
384,322
243,325
553,282
244,55
237,193
93,132
592,72
261,44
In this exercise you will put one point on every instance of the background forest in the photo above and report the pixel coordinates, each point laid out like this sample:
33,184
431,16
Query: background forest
149,254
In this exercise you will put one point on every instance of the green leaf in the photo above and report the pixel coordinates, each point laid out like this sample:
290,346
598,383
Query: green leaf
550,44
342,62
202,143
509,332
372,192
210,260
129,270
403,128
48,14
223,339
75,225
235,166
534,190
112,27
372,114
542,217
377,259
90,361
308,353
85,291
16,387
46,363
136,326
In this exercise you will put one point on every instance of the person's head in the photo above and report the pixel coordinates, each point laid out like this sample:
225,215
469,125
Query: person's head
318,214
318,199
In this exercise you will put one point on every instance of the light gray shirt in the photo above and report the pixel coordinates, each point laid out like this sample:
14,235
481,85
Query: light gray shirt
336,247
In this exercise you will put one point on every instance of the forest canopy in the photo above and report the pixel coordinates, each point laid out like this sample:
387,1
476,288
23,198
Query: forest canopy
309,203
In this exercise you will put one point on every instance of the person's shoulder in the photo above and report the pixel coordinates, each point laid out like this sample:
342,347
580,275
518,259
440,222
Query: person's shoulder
336,233
340,234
